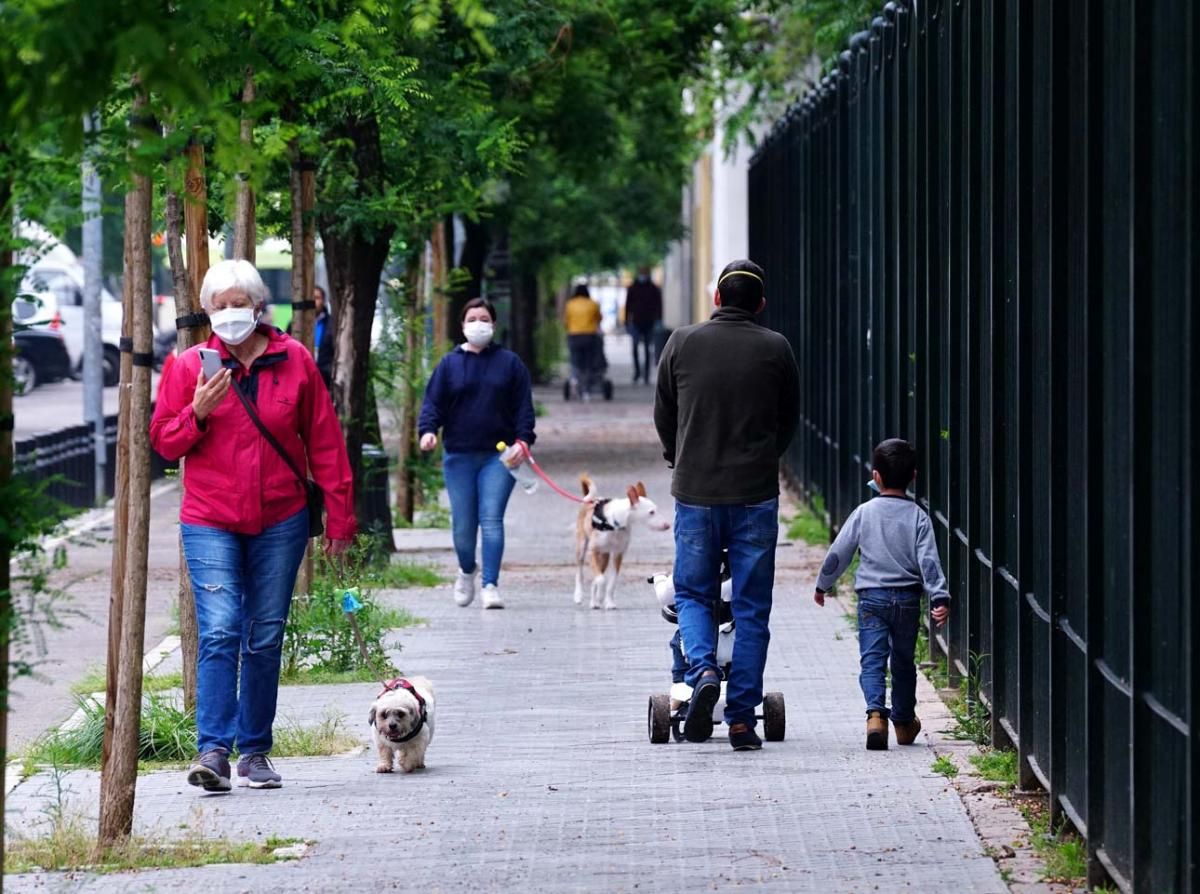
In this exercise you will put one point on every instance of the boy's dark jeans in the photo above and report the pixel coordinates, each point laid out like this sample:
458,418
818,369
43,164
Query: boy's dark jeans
887,628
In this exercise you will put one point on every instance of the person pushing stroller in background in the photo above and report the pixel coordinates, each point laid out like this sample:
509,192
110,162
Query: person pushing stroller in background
582,318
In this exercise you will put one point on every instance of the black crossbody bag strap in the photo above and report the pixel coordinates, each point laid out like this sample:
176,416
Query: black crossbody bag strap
253,414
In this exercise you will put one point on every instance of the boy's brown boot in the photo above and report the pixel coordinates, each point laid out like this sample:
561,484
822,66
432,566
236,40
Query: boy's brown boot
877,732
906,731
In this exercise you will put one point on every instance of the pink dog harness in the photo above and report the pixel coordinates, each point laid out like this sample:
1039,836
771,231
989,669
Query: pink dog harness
401,683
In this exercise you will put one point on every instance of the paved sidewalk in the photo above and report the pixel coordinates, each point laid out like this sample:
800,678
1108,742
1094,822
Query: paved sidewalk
541,777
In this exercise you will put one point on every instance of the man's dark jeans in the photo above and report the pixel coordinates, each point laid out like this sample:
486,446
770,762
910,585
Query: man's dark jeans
887,628
749,533
643,338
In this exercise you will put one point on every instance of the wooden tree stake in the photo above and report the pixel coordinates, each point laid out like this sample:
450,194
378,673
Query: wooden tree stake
119,781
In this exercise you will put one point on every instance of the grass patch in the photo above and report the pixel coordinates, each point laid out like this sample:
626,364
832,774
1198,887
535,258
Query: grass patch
70,845
808,526
168,739
318,676
995,765
1063,852
329,736
399,575
94,681
168,735
943,766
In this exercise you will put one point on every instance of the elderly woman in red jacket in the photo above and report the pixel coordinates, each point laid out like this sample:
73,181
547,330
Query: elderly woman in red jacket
244,517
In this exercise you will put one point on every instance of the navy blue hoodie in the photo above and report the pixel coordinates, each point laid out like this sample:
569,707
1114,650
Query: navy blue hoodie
477,400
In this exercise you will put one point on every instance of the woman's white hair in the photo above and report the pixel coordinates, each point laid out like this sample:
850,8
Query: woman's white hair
240,276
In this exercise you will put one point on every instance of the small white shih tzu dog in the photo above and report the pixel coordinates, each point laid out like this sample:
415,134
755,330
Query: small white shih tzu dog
402,721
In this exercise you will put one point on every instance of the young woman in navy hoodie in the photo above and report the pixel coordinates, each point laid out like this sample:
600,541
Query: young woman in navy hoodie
478,395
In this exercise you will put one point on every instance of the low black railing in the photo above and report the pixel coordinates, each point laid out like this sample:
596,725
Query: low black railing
65,461
980,233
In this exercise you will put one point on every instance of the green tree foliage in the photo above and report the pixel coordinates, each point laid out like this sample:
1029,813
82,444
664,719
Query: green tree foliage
770,54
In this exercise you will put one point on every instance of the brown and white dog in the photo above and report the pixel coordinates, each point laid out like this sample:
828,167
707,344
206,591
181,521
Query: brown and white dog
603,528
402,721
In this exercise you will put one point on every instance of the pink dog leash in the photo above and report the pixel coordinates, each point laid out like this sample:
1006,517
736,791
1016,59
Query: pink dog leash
541,474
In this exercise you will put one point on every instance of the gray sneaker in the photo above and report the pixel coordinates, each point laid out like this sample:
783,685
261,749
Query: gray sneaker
210,771
255,770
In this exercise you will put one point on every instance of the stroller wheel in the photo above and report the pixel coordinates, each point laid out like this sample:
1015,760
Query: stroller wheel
608,389
774,718
659,719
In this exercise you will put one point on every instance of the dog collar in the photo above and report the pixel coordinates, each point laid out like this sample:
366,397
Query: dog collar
599,522
401,683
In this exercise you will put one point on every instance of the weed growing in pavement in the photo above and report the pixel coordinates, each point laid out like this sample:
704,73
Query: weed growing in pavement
972,720
943,766
318,638
997,765
809,525
1063,852
327,736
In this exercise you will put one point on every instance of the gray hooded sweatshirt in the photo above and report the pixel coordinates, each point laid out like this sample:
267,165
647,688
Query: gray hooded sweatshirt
894,538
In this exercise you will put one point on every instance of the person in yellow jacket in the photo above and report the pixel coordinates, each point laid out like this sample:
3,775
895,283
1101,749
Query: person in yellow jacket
582,318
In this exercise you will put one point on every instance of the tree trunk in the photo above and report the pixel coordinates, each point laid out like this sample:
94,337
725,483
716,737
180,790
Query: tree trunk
524,316
116,598
303,195
244,235
120,777
6,463
354,260
414,286
474,254
191,331
439,305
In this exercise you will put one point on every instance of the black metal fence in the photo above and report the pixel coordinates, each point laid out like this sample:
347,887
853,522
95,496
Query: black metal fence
65,460
980,234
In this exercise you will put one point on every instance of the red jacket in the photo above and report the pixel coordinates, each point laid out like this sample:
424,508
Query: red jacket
233,478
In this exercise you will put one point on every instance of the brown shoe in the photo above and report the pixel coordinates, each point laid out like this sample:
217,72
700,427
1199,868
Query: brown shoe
906,731
877,732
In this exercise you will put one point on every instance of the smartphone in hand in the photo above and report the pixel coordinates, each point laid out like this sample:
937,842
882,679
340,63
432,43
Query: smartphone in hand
210,362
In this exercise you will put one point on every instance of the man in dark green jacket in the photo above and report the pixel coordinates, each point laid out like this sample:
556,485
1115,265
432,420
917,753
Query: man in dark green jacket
726,407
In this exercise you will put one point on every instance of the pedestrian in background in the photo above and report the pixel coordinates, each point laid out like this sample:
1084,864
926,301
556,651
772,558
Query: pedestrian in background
643,319
898,560
322,336
479,394
726,408
244,518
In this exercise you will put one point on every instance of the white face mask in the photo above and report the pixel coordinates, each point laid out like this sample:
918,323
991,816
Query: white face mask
234,325
478,332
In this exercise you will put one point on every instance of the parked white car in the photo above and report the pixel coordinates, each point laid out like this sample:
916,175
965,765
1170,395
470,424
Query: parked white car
59,292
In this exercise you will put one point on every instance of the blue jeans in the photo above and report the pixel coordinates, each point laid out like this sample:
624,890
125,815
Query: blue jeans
479,487
678,662
887,628
643,339
243,589
749,533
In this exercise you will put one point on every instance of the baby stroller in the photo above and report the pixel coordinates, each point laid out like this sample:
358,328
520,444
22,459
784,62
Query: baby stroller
589,368
668,711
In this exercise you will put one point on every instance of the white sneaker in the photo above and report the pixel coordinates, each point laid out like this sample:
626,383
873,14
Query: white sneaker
464,588
491,597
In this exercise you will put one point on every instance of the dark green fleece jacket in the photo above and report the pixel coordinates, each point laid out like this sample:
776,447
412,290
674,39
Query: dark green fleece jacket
727,405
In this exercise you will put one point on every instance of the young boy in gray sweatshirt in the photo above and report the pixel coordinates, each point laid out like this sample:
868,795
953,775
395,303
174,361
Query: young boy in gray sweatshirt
898,559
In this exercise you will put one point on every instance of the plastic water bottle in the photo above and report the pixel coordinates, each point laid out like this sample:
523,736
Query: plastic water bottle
514,460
